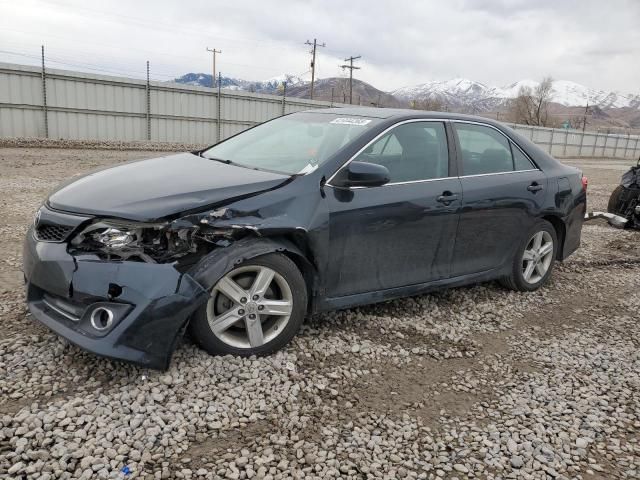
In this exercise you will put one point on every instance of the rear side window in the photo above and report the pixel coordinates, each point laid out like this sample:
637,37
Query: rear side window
484,150
411,152
520,160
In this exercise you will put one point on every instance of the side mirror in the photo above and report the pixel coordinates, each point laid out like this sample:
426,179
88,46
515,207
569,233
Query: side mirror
362,174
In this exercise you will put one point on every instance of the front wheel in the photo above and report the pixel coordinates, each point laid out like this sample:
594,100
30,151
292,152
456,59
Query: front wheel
255,309
614,200
533,262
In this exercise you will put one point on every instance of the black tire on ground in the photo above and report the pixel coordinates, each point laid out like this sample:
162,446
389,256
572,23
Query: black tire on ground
204,336
614,199
515,280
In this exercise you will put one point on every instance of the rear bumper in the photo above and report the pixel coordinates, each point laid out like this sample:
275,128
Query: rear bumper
573,227
150,303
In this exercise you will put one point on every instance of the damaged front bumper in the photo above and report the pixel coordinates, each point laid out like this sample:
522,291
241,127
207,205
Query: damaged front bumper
125,310
614,220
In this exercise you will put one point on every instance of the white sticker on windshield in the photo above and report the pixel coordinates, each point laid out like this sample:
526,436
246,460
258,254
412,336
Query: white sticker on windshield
350,121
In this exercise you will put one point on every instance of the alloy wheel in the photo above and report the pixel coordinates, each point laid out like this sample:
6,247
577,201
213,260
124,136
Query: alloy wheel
537,257
249,306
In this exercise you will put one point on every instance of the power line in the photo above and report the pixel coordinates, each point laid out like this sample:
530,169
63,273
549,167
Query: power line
313,62
130,70
351,69
147,52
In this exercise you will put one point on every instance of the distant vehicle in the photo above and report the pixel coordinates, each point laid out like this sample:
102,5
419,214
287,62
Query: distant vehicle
309,212
625,199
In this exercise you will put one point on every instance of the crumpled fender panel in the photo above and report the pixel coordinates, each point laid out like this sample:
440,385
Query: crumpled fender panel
222,260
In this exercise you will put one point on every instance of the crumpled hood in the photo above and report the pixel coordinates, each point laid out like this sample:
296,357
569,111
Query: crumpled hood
151,189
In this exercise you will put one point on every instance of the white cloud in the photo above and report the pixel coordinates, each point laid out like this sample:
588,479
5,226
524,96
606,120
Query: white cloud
401,42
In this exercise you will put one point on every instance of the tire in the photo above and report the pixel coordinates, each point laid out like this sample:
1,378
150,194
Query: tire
517,280
614,199
239,337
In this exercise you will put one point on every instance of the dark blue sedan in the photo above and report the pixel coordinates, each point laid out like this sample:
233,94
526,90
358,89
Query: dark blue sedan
309,212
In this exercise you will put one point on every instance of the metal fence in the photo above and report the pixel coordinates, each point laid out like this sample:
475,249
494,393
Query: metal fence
61,104
561,142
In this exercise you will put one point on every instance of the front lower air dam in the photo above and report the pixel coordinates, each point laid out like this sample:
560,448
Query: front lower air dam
74,297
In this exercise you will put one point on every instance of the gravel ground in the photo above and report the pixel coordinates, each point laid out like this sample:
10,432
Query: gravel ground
474,382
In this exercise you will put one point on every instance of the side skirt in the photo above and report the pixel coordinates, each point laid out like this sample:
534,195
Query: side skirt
348,301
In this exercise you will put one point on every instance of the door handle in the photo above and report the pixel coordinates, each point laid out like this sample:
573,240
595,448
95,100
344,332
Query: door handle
534,187
447,197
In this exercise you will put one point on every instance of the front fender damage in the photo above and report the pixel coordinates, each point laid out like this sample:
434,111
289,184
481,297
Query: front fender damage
221,261
245,234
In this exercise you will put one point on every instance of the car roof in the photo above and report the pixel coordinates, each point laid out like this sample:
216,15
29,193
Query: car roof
399,113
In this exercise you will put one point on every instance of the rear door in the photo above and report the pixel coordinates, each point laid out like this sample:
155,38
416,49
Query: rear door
503,193
401,233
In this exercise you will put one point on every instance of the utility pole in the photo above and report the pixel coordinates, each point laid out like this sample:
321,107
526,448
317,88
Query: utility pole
313,62
43,75
351,68
213,77
148,104
584,118
284,96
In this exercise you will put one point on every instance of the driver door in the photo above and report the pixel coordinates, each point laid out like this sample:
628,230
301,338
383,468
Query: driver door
401,233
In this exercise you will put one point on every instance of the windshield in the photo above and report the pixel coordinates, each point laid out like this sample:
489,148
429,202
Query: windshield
292,144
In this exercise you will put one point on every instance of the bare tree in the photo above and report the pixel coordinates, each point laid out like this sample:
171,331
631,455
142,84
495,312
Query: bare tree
430,104
577,122
531,106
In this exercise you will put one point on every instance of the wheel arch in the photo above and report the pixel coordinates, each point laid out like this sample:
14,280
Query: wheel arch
220,261
561,231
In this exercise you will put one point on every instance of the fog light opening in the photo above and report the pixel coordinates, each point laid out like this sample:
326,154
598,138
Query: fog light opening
114,291
101,318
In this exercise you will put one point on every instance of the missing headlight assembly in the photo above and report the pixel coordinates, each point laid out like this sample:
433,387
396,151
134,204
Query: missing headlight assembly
149,242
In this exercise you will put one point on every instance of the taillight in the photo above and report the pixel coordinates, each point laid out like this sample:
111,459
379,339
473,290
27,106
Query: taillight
585,183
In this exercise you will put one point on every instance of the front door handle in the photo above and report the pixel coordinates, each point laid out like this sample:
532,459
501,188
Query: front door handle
447,197
534,187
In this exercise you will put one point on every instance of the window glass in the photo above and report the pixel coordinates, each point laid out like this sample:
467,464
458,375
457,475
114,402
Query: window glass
293,143
520,161
484,150
412,151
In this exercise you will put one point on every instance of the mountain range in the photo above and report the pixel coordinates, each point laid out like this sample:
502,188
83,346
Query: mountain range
480,97
270,86
458,94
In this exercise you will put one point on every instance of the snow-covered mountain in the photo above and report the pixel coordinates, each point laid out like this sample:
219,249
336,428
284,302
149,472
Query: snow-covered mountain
270,85
458,94
476,96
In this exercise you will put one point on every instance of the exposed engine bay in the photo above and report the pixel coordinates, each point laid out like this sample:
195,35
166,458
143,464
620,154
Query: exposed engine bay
149,242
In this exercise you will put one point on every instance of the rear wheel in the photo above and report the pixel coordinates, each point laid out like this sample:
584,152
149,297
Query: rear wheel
255,309
533,262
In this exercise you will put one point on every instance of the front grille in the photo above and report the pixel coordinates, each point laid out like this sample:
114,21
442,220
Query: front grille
53,233
53,226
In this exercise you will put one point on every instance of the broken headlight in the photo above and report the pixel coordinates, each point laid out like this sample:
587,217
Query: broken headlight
147,242
114,237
